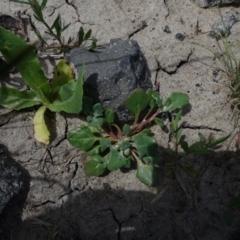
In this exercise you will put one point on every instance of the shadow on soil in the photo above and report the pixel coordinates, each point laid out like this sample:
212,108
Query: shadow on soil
119,214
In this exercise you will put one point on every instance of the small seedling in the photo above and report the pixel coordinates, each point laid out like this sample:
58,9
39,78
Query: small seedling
57,28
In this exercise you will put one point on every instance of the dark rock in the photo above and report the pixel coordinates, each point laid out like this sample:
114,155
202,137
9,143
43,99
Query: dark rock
167,29
210,3
180,36
10,183
112,72
223,27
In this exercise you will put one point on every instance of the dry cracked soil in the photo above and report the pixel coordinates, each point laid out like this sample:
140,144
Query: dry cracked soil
61,202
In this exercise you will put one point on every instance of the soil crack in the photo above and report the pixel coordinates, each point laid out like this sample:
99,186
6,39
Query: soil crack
194,127
144,25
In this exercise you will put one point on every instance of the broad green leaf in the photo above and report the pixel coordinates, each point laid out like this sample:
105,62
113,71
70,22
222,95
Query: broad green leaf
95,166
147,174
18,53
184,146
175,101
82,137
109,116
198,147
126,129
88,34
228,218
218,141
152,159
124,144
159,122
69,98
157,100
63,74
97,110
15,99
96,121
145,131
105,143
94,151
137,101
41,132
145,145
115,160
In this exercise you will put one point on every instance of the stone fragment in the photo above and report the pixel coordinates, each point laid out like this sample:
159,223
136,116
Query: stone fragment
112,72
167,29
210,3
180,36
10,178
223,27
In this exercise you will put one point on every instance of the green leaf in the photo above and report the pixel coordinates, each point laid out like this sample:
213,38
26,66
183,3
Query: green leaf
179,134
115,160
218,141
137,101
105,143
184,146
82,137
88,35
153,159
41,132
40,36
124,144
145,145
43,4
94,151
18,1
69,98
109,116
14,49
63,74
15,99
228,218
202,137
93,45
80,36
65,27
198,147
97,110
159,122
126,129
176,120
57,24
175,101
96,121
147,174
95,166
157,100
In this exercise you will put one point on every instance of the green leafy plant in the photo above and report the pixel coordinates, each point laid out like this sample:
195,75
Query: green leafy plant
176,161
57,28
231,65
111,147
63,93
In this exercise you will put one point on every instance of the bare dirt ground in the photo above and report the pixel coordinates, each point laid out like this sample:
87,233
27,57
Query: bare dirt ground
61,202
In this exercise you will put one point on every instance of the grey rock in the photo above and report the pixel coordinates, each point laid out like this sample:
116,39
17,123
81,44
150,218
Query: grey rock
10,183
210,3
112,72
180,36
223,27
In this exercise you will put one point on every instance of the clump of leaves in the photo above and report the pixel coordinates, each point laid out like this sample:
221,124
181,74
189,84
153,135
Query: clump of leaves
57,28
62,94
111,147
176,161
